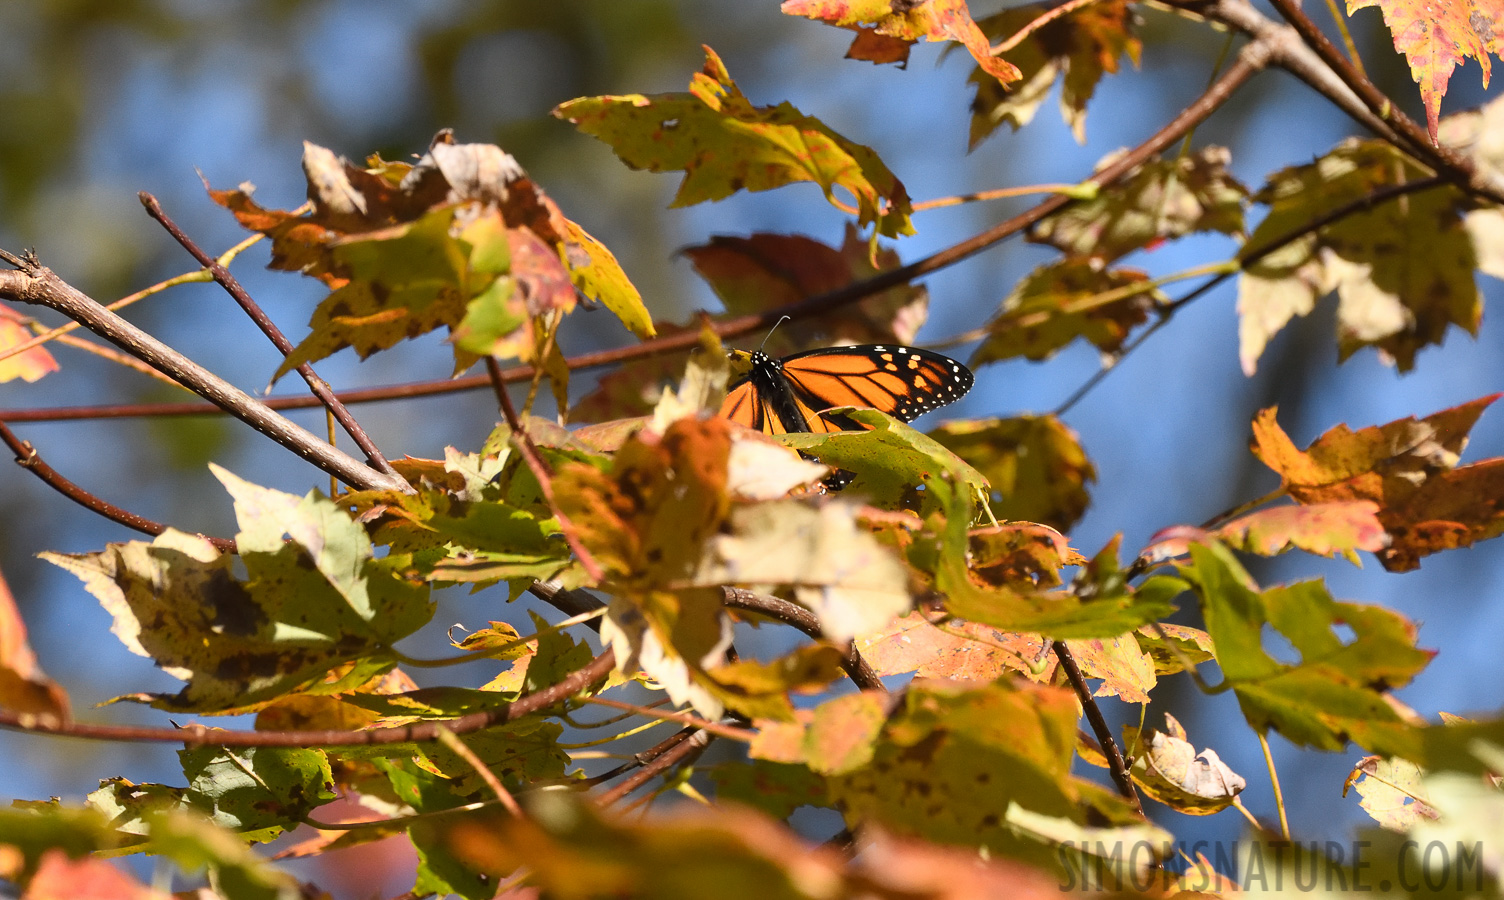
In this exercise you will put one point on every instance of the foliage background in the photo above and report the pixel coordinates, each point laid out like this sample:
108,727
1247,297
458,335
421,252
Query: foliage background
107,98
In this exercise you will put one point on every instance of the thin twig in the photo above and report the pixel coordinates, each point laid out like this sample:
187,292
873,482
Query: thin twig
32,282
644,757
451,740
232,286
1279,795
525,446
694,743
1044,19
862,674
197,735
28,458
1115,762
744,735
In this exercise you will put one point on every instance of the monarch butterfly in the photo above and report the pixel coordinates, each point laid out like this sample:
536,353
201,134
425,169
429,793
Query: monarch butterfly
780,396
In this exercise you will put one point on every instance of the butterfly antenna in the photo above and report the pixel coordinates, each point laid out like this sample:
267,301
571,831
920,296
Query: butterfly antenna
781,320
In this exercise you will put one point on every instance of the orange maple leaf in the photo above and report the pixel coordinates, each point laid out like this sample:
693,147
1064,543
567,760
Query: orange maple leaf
1435,37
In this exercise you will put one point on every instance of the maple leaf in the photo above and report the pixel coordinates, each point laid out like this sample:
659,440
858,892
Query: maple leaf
1436,37
1426,502
907,22
764,271
1403,270
1083,45
29,365
722,144
314,603
24,688
1061,302
462,239
1161,199
1035,466
1335,694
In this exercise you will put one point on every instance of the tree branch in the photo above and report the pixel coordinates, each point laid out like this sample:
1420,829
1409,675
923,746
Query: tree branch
862,674
232,286
1115,762
32,282
28,458
197,735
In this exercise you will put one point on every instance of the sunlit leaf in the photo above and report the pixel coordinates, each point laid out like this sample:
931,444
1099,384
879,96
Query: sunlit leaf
1426,502
308,605
1334,694
723,144
1392,792
1036,466
1062,302
1435,39
852,582
909,22
1165,198
1086,44
30,365
1403,270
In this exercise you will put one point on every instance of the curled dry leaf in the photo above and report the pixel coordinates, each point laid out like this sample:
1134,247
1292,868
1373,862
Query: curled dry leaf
1172,772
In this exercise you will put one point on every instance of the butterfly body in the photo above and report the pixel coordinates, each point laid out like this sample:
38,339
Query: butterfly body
790,395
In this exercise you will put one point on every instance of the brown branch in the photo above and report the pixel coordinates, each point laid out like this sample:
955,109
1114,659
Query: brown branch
232,286
862,674
1315,60
672,756
196,735
1115,762
644,757
525,446
28,458
32,282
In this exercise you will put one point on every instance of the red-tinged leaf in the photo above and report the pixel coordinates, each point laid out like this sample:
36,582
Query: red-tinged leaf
28,365
1437,37
1452,510
1161,199
24,688
407,249
1408,467
1085,44
1035,465
841,735
1126,670
765,271
908,21
89,878
1329,529
723,144
878,49
1369,463
1062,302
1403,271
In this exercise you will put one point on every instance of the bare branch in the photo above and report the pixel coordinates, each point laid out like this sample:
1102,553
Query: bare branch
31,282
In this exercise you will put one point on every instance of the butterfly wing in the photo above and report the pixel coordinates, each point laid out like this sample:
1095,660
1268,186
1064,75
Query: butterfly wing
904,382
